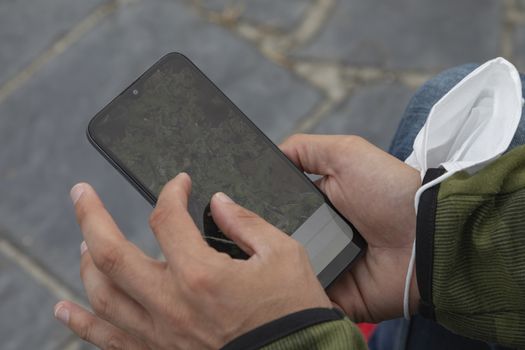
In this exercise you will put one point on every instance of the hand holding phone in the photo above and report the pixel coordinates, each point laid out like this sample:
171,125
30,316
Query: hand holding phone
197,298
376,191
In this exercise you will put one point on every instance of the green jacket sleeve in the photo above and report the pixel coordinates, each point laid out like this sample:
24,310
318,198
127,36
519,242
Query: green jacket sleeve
335,335
320,329
470,251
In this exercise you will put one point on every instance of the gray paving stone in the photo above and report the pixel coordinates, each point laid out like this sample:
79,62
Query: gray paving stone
27,320
28,28
373,112
276,13
86,346
44,150
519,48
273,13
218,5
410,34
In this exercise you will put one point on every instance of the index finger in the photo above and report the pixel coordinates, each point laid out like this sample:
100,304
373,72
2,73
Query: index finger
171,222
112,253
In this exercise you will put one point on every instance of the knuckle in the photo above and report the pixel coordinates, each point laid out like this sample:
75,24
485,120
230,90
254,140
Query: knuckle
115,342
247,217
158,217
85,330
242,217
110,260
100,303
199,279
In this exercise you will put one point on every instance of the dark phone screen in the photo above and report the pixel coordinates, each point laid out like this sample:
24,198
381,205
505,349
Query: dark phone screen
174,119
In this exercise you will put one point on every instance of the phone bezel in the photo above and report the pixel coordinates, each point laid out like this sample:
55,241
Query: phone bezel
330,272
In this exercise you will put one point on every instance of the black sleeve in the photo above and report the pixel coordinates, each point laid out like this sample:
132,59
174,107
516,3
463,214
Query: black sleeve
283,327
425,242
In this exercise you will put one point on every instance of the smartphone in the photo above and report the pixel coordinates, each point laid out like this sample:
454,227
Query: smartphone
174,119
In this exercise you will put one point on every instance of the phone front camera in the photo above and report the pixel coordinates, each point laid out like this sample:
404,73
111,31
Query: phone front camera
135,92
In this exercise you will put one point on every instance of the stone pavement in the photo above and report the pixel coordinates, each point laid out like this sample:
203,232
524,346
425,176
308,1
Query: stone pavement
323,66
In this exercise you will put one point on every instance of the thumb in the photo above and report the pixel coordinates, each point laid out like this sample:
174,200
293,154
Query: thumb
253,234
314,154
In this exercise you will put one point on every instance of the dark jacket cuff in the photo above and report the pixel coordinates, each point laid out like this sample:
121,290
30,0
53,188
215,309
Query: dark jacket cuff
282,327
425,228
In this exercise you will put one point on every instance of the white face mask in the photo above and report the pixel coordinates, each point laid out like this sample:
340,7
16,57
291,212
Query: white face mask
472,125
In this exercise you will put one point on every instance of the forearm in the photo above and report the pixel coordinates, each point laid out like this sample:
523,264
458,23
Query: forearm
471,252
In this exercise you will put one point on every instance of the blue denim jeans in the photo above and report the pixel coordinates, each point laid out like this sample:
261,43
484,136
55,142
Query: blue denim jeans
420,333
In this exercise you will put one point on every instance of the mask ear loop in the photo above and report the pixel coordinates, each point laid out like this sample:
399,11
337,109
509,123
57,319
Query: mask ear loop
410,270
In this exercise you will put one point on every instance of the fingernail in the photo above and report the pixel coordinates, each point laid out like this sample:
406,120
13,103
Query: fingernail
83,247
223,198
62,314
76,192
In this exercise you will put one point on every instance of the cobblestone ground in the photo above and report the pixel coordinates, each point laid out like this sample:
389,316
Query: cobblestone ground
323,66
